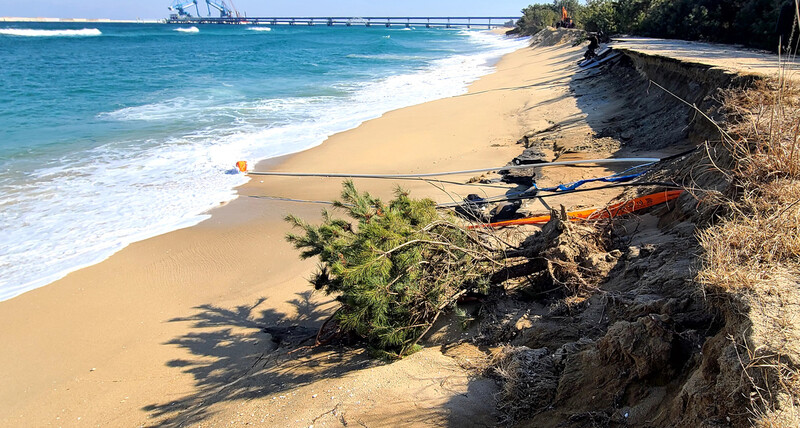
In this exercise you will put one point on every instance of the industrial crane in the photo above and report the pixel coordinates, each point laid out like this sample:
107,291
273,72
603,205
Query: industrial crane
221,6
180,6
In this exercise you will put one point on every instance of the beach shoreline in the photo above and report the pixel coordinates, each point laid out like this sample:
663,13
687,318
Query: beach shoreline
116,342
153,198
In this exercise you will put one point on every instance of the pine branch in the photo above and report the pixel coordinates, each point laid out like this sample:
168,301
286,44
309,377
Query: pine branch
398,270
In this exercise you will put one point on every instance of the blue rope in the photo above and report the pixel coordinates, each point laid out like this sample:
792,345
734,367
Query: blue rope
615,178
579,183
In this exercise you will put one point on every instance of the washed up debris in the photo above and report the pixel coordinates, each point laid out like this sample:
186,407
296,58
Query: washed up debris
615,210
474,208
524,176
505,211
477,208
531,156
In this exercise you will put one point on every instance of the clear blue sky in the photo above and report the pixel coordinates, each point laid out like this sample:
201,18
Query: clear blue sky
157,9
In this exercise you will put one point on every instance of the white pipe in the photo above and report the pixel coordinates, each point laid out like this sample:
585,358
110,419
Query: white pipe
468,171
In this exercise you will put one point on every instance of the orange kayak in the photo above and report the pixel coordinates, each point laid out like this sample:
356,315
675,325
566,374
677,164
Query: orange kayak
615,210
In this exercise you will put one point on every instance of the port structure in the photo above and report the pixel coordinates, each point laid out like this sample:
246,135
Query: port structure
427,22
183,10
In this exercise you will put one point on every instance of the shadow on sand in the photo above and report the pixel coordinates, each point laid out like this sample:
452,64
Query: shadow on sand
246,352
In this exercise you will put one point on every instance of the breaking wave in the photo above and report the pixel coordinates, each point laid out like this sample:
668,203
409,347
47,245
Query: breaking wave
30,32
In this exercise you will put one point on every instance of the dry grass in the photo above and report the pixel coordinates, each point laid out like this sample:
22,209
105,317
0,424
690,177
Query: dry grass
760,240
529,378
753,255
767,120
759,243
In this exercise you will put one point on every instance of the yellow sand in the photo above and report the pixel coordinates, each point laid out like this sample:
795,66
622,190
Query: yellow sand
116,343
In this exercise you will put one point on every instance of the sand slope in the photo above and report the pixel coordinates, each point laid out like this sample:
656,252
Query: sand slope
176,318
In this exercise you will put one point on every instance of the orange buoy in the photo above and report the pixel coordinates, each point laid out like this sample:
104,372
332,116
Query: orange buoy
242,166
622,208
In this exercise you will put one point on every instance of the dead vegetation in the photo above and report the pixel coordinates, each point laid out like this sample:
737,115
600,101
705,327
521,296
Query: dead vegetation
751,258
530,381
567,256
621,334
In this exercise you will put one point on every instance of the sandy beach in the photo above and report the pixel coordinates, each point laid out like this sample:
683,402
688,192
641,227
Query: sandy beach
165,330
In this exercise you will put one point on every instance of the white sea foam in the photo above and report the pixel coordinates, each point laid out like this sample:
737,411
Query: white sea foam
387,57
259,28
172,109
188,30
78,211
30,32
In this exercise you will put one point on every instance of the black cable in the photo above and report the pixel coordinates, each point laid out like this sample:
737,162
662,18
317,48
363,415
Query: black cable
681,154
553,194
492,200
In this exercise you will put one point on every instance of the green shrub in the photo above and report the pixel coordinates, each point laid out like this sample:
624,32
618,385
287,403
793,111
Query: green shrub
747,22
600,15
396,269
536,17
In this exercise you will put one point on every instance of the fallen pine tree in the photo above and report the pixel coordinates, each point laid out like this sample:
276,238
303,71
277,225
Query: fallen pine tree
395,267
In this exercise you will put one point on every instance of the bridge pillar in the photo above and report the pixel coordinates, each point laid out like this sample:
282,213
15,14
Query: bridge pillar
469,22
369,22
428,25
448,22
330,22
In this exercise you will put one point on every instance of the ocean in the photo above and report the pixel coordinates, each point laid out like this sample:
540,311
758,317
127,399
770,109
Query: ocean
113,133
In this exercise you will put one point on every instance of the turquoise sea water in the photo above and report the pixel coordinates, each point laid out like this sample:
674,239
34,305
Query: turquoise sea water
112,133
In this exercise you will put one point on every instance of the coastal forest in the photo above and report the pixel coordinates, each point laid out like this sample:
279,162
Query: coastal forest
747,22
